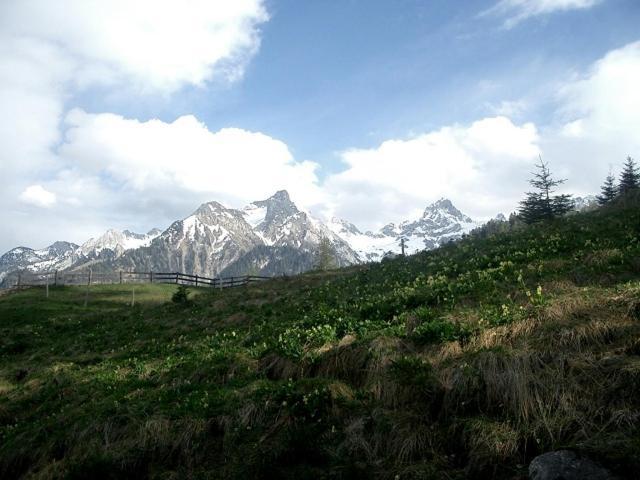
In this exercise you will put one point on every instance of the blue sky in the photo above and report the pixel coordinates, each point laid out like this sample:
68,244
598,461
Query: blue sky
344,103
333,74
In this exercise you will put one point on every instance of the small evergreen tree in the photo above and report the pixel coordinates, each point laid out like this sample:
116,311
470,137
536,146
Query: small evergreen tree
541,205
325,258
609,190
181,295
629,178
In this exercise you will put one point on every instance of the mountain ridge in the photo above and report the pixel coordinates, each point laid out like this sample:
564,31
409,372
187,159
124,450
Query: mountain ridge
271,236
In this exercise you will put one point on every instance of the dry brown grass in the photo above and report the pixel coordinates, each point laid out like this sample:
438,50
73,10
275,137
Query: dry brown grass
554,378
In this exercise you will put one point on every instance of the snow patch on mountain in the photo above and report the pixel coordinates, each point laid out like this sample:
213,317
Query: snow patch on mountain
440,222
271,236
116,241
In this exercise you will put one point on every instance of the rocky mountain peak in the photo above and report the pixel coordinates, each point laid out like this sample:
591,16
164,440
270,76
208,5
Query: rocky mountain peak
444,207
279,205
344,227
209,209
61,248
269,215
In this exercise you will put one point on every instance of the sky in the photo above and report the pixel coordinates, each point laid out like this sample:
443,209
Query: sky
131,113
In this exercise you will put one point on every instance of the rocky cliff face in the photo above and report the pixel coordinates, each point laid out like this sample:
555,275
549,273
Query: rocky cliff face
267,237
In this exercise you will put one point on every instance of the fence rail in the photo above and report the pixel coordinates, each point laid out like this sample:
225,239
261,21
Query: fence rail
89,277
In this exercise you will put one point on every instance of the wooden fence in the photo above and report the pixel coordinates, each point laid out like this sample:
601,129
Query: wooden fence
28,279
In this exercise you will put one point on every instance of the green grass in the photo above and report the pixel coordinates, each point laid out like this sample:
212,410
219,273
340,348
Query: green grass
463,362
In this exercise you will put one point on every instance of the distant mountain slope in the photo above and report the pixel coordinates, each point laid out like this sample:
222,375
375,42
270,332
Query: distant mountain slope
441,222
57,256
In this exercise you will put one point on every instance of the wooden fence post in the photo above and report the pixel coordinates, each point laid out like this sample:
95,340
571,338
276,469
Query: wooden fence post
196,280
151,276
86,295
55,278
176,278
120,277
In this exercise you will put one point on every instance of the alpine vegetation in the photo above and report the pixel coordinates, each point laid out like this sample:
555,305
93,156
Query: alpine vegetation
277,239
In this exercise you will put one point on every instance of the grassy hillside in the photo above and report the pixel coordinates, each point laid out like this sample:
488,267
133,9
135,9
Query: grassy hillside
462,362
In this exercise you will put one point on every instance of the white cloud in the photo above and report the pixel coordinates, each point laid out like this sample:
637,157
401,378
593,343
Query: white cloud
37,196
158,45
598,118
475,165
519,10
123,173
51,51
183,156
483,167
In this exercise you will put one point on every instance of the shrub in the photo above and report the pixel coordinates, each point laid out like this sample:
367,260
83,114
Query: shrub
413,371
439,331
181,295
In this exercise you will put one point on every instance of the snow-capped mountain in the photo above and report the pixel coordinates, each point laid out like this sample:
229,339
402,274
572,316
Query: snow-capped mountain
117,241
441,222
585,203
269,237
203,243
278,222
66,255
57,256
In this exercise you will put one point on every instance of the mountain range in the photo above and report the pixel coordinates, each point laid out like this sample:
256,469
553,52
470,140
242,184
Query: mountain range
269,237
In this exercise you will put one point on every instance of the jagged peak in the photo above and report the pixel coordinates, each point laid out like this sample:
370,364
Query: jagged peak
348,226
280,195
62,245
278,205
444,205
211,208
281,198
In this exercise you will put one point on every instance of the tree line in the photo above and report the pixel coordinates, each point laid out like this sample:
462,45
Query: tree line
542,204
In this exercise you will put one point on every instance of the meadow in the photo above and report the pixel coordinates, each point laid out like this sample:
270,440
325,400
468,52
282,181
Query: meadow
462,362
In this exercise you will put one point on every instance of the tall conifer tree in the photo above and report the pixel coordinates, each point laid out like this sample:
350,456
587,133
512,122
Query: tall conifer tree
609,190
541,205
629,178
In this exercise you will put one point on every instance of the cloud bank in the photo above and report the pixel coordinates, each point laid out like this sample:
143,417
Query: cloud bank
52,51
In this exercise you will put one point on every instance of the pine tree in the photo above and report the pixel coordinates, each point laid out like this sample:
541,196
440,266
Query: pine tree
325,257
561,205
629,178
542,205
609,190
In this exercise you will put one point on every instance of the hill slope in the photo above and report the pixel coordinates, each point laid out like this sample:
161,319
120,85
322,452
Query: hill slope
462,362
